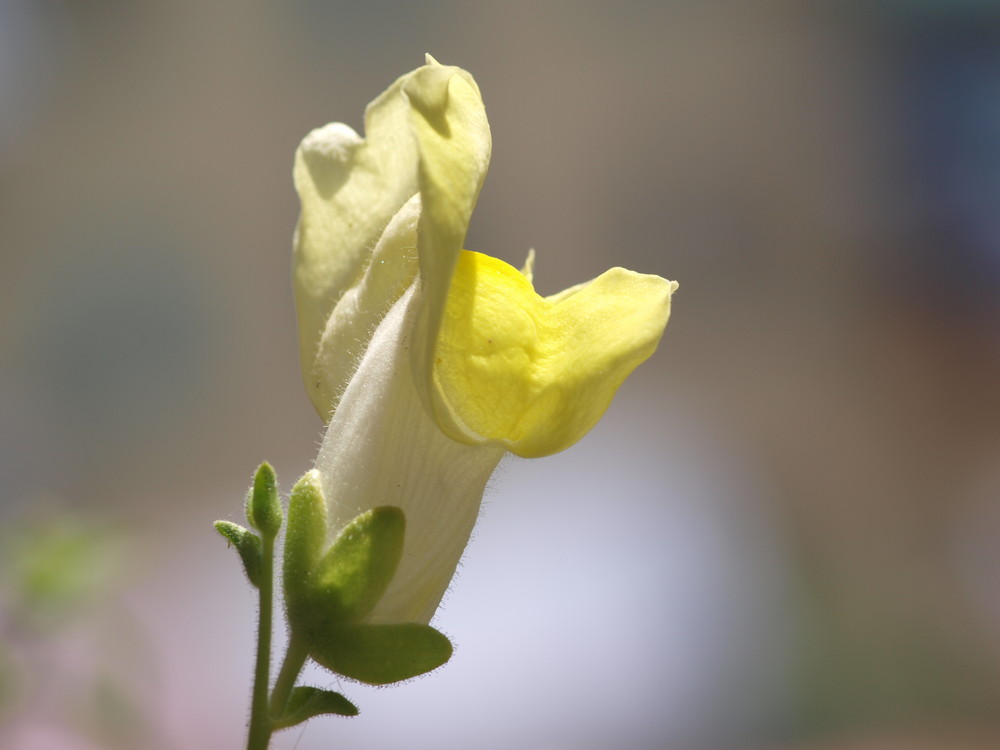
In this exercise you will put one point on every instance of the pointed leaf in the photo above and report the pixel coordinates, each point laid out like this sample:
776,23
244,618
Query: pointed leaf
354,573
308,702
305,538
248,546
381,654
263,506
231,532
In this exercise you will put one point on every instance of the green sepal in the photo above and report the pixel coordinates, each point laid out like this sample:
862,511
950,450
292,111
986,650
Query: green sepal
305,538
356,570
381,654
263,506
248,546
307,702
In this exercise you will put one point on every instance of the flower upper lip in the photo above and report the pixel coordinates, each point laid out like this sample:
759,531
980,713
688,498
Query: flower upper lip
383,213
427,136
430,362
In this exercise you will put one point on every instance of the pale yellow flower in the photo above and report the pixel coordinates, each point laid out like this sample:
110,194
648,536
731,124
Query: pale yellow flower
428,361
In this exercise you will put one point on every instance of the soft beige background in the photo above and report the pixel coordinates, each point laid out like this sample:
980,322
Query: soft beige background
784,534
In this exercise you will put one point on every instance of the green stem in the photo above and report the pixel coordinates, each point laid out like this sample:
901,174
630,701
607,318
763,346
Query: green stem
260,720
295,659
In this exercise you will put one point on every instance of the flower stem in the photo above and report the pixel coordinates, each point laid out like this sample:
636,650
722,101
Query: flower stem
295,659
260,720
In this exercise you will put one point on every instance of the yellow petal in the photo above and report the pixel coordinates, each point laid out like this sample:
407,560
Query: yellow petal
536,374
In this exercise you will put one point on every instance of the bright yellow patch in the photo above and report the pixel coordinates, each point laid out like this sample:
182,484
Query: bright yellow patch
536,374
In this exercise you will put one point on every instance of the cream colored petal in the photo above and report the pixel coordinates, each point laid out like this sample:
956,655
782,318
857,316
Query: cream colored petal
350,188
391,269
382,448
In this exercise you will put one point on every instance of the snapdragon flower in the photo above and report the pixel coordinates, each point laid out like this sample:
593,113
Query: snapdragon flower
429,363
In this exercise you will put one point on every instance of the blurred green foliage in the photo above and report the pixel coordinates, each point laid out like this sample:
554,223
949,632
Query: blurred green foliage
55,569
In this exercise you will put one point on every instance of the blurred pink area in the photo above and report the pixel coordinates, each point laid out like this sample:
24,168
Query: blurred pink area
786,532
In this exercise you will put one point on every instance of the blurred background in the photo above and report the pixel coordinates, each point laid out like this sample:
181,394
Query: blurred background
784,535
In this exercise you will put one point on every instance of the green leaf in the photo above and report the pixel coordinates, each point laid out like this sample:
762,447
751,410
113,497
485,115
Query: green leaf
263,506
354,573
307,702
381,654
248,546
305,538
